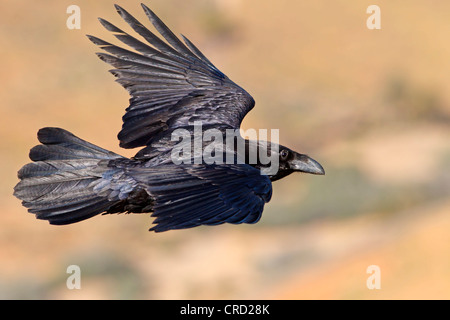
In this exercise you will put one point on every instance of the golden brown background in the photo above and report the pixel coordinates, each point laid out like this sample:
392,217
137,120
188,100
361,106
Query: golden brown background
373,106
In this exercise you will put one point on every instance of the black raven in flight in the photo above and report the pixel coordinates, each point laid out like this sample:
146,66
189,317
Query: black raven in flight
173,86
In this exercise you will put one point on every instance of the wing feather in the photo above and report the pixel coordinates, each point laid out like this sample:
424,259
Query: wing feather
171,83
193,195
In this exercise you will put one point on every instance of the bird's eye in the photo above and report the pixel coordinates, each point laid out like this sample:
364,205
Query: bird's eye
284,154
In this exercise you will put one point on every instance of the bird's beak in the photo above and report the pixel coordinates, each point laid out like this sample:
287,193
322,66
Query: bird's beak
303,163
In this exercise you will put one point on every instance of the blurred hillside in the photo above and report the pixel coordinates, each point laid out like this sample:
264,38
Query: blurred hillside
372,106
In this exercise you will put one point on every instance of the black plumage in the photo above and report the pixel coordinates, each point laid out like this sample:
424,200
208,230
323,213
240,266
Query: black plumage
172,86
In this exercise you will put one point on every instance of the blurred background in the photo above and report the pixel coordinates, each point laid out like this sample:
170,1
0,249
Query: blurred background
372,106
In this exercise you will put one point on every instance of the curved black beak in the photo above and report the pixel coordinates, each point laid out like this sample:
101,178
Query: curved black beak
303,163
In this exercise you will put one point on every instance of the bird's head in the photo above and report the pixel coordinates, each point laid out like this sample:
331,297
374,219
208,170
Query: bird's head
290,161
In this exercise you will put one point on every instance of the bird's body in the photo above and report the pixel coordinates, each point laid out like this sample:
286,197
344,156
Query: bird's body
197,181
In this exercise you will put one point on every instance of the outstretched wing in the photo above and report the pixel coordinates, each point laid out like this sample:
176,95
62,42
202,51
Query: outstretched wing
171,84
187,196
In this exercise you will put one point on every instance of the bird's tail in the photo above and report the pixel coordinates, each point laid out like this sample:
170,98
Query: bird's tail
56,186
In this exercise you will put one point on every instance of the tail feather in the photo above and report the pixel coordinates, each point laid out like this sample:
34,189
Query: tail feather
83,211
61,203
59,185
59,144
41,168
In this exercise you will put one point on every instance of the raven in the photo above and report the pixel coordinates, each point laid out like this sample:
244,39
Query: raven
172,86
